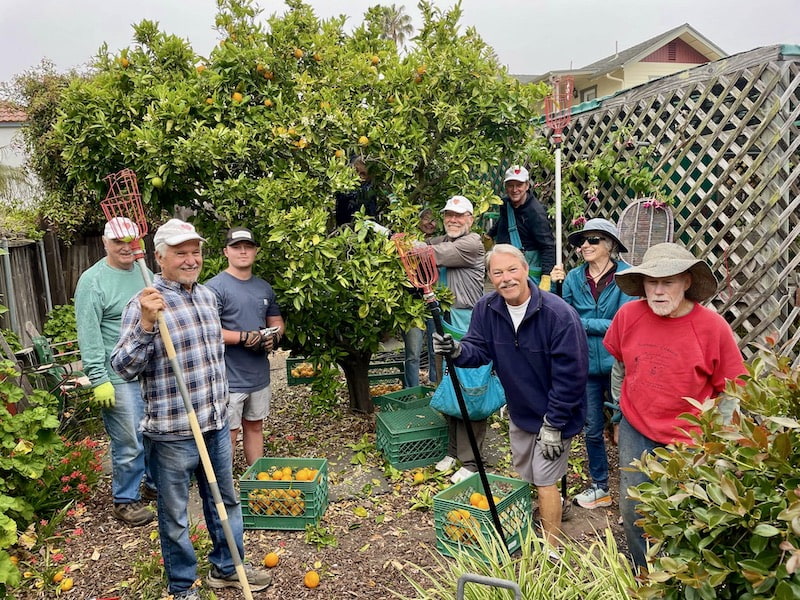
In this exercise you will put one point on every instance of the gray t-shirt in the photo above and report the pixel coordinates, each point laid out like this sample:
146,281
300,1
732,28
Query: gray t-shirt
244,306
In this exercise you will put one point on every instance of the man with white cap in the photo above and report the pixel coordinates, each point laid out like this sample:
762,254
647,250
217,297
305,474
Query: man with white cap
247,307
671,348
191,317
523,223
103,291
460,255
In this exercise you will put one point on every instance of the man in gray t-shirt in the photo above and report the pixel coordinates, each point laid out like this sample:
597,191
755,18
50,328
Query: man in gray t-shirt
247,306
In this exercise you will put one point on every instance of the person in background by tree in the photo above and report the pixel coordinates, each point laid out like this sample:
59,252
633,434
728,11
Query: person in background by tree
459,255
247,306
412,339
190,313
670,348
349,203
102,292
590,289
539,350
523,223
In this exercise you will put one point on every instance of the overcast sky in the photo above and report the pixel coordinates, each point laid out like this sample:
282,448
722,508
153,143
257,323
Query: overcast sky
529,36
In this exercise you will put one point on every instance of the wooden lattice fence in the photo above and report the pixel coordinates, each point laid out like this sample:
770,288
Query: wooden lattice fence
726,143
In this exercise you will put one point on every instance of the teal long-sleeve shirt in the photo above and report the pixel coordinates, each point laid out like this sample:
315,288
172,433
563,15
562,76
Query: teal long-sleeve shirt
101,295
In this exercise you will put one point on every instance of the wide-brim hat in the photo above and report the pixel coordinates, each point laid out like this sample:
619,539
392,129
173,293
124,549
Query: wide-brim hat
597,226
667,260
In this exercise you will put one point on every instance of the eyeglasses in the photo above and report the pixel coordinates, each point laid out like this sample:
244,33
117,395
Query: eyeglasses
593,241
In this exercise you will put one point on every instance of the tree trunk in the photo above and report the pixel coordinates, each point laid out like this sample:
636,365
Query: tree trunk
356,369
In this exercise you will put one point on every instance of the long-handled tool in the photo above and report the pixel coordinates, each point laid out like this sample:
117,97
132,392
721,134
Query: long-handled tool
123,208
557,114
420,266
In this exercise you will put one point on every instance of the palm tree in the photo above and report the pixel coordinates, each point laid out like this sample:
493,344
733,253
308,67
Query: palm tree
396,24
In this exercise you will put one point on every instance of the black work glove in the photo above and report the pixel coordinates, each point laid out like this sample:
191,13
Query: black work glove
446,345
550,439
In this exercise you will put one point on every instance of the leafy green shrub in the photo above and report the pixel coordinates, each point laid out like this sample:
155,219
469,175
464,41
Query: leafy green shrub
61,328
593,570
724,514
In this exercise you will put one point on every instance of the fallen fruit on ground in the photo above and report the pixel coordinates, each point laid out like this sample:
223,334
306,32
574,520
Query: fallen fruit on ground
67,584
311,580
271,560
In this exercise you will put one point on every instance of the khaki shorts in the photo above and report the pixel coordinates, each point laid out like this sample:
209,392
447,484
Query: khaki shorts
528,461
250,407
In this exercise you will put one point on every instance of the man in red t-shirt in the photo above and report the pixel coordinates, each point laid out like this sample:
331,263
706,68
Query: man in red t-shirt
670,348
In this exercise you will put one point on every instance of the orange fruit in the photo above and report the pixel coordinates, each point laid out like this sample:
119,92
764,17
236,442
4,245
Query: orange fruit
311,580
375,59
483,504
363,140
124,62
474,498
67,584
269,75
209,101
317,57
263,476
259,68
237,97
298,54
422,69
419,477
339,153
14,559
271,560
418,78
200,68
58,577
268,103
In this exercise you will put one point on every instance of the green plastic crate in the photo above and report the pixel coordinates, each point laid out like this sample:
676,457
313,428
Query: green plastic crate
386,371
410,438
457,533
283,504
291,363
413,397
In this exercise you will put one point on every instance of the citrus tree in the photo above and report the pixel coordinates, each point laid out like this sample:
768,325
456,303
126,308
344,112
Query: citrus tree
260,133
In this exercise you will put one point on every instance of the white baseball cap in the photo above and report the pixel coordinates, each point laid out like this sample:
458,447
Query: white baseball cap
516,173
458,204
121,228
175,232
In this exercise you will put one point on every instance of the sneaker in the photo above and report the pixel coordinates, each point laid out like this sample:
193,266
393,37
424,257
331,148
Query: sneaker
258,580
134,514
461,475
149,494
191,594
447,463
593,497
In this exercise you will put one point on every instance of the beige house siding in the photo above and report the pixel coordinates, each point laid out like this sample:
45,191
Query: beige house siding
643,72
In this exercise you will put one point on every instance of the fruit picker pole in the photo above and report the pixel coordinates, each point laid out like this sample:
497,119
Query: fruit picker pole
123,210
558,113
420,267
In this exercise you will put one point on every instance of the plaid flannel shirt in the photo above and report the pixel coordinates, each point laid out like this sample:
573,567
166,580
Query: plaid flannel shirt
193,324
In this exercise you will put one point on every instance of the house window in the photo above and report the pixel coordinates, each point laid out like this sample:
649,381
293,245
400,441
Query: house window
589,94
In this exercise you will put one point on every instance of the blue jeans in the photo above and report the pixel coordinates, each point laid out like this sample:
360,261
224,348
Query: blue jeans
597,388
631,446
173,464
412,340
128,465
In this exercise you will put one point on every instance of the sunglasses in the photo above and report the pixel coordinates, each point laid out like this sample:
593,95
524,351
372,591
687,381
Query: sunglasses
593,240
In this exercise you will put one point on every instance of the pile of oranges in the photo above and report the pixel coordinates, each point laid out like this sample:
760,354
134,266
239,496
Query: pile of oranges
384,388
287,503
287,474
462,526
304,370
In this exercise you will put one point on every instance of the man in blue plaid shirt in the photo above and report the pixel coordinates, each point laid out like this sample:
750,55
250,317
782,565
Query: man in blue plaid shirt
190,312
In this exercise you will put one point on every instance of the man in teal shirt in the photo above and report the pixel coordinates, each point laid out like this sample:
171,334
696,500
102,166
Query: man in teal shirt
103,291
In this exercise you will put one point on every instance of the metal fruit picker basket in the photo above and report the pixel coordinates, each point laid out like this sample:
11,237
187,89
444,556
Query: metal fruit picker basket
487,581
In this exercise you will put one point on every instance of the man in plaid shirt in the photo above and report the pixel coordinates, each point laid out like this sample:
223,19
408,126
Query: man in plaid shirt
190,312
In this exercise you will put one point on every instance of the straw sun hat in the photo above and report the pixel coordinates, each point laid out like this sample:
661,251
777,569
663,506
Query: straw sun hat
666,260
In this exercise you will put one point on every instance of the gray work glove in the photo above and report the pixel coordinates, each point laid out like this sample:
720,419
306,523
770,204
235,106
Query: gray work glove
446,345
550,439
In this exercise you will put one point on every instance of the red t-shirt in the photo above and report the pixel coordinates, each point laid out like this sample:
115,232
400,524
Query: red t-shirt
667,360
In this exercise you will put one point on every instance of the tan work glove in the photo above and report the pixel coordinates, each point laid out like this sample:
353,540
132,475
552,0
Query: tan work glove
103,395
544,283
